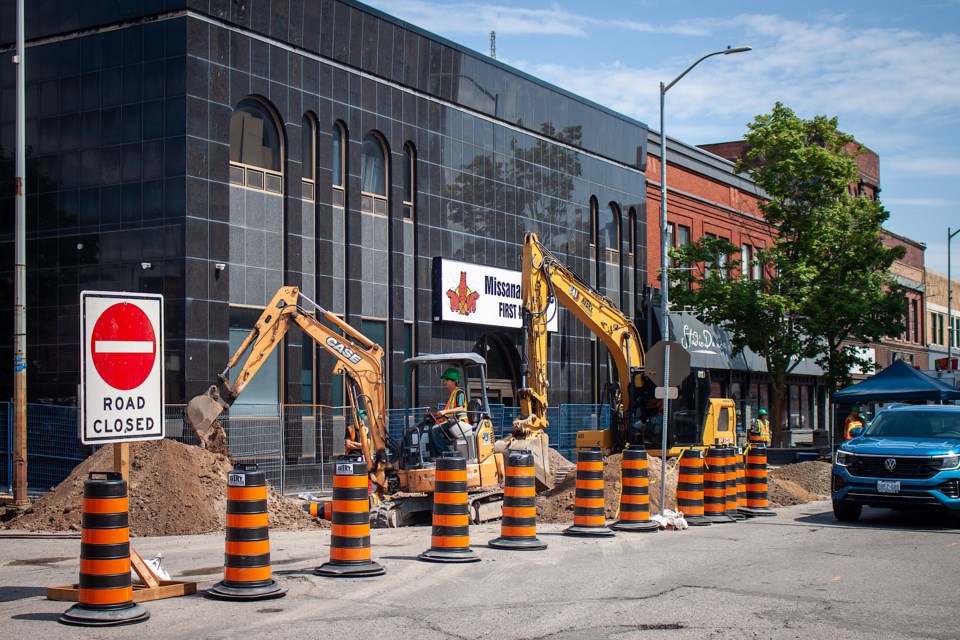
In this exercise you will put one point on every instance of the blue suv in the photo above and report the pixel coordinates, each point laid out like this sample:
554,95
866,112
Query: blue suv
907,457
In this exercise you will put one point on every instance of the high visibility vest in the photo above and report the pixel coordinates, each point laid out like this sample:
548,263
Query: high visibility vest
456,400
763,427
852,423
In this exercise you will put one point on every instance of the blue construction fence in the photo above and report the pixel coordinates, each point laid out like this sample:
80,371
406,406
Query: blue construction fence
295,445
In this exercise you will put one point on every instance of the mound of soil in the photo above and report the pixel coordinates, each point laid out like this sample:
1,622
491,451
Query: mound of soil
788,485
173,489
556,505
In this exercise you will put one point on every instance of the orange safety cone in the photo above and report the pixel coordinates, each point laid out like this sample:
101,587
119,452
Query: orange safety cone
518,529
350,533
756,482
247,574
105,596
319,510
730,460
588,505
450,539
715,486
690,488
635,493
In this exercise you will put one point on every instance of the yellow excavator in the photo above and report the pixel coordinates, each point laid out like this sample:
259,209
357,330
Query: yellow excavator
402,480
633,409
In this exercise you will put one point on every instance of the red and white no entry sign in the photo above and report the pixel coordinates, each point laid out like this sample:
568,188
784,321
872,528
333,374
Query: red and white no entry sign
123,346
121,374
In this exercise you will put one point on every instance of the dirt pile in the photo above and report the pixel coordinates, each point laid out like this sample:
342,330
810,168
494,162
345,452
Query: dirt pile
787,485
173,489
556,505
798,483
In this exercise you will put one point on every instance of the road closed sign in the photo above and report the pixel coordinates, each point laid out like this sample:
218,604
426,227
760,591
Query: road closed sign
121,373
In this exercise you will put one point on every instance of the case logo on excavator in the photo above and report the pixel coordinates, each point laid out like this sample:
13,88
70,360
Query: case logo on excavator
343,350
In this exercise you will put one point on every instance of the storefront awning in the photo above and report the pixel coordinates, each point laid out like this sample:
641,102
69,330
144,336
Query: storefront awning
710,347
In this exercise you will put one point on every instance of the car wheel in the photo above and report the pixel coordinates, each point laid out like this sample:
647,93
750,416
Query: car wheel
846,511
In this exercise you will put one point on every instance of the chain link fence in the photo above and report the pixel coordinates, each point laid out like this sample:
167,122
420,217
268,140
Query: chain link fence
295,445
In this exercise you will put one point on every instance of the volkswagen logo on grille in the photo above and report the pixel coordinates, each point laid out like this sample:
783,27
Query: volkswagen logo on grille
890,464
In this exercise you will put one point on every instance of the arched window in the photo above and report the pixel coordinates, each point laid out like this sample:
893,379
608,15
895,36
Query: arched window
308,154
255,147
409,179
337,163
373,175
610,230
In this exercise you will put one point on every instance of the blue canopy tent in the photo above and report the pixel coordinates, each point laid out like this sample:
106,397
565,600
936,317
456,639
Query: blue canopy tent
898,382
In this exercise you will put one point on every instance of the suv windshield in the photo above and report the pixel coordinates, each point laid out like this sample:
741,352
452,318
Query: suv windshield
915,424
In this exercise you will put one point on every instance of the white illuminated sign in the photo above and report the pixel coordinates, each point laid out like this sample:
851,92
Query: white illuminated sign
475,294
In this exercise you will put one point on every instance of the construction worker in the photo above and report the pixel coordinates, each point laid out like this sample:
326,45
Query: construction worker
457,425
853,421
762,427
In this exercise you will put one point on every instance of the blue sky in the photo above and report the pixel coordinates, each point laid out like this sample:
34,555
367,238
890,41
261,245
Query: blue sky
889,70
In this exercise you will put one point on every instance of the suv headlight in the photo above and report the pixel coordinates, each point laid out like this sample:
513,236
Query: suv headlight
844,459
948,463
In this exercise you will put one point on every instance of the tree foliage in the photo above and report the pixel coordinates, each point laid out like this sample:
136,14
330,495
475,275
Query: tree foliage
824,280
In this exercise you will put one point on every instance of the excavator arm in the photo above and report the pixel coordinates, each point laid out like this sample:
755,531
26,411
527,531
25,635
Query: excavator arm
546,279
359,358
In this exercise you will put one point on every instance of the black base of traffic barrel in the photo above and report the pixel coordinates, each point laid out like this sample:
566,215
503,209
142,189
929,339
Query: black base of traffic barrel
80,616
697,521
449,555
518,544
588,531
643,526
367,569
754,512
224,591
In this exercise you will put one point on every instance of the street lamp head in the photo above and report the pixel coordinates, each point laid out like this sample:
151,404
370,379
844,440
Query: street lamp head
730,50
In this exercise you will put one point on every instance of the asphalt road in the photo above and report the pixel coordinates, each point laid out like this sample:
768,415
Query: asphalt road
800,574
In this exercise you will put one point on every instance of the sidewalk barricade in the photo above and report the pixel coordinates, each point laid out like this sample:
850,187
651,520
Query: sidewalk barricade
106,589
450,539
588,507
350,530
247,574
518,529
635,493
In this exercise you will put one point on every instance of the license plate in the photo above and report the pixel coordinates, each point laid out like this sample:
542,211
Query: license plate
888,486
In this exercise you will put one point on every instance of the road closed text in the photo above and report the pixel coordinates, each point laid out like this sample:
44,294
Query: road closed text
121,422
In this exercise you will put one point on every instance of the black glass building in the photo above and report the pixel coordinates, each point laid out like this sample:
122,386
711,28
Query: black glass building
213,150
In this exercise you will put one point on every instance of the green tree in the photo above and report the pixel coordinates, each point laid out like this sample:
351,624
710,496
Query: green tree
825,279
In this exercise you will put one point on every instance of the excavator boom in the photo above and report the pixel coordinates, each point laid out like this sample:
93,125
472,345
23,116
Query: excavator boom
358,357
546,279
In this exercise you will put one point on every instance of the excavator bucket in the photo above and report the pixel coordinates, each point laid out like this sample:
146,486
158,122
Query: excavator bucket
203,411
539,446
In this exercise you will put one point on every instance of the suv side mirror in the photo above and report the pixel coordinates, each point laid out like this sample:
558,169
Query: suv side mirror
856,432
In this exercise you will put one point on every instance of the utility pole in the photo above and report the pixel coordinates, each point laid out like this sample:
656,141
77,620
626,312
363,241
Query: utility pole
20,500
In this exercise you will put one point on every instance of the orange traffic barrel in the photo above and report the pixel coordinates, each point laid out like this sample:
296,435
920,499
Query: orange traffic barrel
741,481
635,493
588,504
320,510
105,596
754,437
690,488
730,458
350,523
715,486
518,529
247,574
756,482
450,539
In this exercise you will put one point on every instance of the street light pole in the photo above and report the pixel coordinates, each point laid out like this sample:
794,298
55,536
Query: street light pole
950,331
664,268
